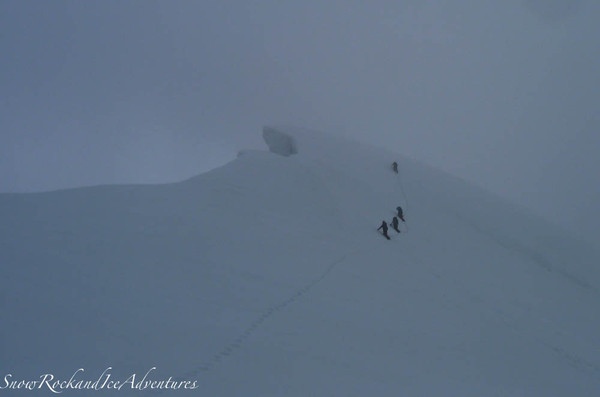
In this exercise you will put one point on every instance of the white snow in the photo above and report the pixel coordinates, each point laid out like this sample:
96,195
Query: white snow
266,277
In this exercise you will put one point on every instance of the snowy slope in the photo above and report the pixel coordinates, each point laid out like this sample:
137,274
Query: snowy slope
266,277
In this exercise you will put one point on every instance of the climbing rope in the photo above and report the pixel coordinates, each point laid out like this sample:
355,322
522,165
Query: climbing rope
404,197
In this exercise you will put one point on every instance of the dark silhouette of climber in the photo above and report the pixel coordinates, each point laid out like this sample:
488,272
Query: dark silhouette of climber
400,213
395,167
395,224
384,226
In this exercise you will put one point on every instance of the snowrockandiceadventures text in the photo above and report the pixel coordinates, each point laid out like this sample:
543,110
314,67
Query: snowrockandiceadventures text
105,381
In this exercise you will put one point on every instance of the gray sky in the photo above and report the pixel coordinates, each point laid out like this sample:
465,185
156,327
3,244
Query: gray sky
503,93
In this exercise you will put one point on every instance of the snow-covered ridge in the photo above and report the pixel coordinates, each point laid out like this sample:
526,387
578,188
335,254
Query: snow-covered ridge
267,277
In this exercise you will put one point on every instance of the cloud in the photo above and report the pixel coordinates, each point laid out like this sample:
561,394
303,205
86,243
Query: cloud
553,10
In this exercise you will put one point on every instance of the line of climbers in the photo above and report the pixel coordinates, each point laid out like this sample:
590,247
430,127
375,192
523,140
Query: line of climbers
400,214
395,223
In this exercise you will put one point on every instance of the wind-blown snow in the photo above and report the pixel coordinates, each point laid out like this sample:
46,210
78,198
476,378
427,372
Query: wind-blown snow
267,277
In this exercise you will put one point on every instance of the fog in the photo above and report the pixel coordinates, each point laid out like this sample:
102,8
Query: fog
501,93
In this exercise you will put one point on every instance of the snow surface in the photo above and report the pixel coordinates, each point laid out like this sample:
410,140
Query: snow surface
267,277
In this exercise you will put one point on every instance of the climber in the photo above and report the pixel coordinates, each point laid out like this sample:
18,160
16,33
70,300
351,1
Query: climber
400,213
395,224
384,226
395,167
